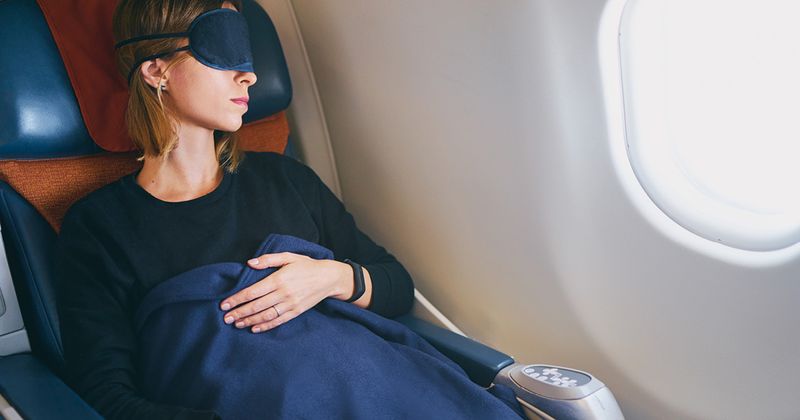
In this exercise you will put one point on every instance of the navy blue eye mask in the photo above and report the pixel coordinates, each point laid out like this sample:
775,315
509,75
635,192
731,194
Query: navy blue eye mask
218,38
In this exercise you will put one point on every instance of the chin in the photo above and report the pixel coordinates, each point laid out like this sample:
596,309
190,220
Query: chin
231,127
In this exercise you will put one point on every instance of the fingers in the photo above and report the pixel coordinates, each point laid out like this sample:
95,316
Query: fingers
254,308
263,303
268,318
275,321
274,260
254,291
264,286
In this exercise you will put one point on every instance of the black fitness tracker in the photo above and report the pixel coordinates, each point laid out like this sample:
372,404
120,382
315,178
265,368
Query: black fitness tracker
358,278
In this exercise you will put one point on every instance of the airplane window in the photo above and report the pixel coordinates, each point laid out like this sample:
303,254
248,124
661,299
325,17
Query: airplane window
711,97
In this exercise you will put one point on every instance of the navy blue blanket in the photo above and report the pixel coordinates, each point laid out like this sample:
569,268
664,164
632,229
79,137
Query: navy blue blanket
335,360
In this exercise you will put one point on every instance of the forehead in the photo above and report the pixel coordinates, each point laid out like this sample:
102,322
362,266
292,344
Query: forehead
228,5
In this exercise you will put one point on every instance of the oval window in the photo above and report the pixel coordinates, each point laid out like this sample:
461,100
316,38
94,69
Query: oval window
711,93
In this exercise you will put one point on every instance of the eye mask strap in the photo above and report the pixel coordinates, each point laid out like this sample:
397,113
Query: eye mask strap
152,57
152,36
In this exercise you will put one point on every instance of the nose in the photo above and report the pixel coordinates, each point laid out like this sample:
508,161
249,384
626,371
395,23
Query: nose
247,77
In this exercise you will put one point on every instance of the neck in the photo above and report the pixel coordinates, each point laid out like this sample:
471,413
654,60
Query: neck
191,170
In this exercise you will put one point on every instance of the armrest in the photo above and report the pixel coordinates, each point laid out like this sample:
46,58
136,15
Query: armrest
482,363
36,393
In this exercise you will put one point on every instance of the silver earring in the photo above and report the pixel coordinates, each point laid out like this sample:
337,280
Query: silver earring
163,87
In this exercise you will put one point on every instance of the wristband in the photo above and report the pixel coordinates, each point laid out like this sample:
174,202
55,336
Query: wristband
358,279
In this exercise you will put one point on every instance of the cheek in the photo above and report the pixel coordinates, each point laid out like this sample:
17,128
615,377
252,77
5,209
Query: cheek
203,86
185,97
203,97
192,93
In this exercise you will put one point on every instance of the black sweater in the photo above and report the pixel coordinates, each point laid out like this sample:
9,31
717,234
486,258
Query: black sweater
119,242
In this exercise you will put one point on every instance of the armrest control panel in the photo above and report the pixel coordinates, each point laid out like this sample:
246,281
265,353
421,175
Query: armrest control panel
555,392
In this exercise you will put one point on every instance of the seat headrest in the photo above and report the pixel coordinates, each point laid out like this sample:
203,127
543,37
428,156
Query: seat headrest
39,115
59,72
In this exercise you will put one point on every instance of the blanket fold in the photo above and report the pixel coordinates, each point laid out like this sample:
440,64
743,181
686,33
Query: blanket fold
335,360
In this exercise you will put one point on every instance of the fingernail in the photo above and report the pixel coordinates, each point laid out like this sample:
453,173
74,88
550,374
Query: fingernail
256,329
226,306
254,261
228,320
240,324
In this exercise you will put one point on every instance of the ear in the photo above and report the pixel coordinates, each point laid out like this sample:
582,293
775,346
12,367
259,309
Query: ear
152,71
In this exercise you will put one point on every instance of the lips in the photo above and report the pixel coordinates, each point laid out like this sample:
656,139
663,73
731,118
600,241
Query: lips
240,101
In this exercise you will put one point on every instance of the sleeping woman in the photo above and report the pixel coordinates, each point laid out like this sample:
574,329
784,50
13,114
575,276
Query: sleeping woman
214,283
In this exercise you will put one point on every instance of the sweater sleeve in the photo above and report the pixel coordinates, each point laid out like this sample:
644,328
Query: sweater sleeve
98,340
392,286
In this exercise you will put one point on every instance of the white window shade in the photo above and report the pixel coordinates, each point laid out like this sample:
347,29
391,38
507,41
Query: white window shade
711,92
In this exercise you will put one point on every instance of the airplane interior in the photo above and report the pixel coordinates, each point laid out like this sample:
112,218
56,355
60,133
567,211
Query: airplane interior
591,196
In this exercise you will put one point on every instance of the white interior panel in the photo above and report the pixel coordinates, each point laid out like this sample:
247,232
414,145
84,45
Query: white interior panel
306,116
471,138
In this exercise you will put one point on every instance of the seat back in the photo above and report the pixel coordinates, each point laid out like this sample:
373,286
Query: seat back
49,158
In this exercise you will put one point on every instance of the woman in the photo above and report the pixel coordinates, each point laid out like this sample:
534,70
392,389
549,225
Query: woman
198,200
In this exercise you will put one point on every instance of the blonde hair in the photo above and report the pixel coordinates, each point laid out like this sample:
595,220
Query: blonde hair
150,124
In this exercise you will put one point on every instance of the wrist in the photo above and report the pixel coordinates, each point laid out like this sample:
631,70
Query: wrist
344,286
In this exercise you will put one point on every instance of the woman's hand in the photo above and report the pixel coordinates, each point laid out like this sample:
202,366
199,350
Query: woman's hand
300,283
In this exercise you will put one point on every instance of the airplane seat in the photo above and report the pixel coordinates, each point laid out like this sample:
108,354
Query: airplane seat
61,126
50,121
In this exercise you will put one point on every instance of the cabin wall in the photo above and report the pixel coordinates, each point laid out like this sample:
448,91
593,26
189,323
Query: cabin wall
471,139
